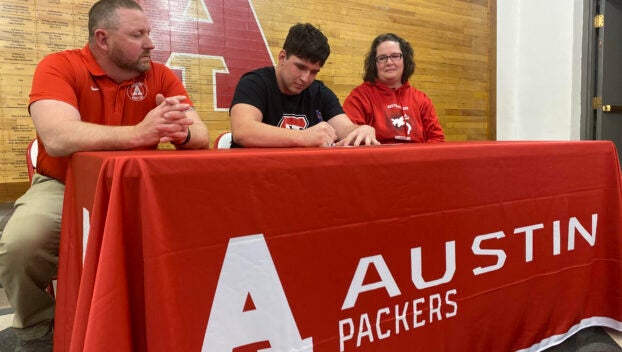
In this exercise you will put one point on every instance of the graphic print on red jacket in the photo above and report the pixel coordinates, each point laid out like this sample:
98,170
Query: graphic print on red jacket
403,115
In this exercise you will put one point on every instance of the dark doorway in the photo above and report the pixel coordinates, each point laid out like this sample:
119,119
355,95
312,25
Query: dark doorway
603,72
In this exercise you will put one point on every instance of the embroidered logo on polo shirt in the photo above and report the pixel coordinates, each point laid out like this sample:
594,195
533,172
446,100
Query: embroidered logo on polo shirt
137,91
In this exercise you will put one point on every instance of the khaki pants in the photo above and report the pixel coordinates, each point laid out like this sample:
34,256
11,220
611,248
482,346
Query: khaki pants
29,256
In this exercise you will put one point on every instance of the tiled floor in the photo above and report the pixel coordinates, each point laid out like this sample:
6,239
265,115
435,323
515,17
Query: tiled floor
6,312
615,335
588,341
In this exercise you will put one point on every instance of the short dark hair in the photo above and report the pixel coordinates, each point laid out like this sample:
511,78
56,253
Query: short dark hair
307,42
103,14
408,55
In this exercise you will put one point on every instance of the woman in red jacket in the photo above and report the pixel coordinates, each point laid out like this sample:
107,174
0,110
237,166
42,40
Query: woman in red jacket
386,100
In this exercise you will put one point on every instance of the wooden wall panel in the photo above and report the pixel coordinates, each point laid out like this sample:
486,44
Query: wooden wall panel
452,41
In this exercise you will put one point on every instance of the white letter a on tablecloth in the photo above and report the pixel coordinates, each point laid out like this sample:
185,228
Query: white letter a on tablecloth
248,272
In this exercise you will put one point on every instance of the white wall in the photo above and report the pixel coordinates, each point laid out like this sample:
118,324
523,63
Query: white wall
539,48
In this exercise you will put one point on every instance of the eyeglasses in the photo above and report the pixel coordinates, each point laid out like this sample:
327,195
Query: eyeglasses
383,58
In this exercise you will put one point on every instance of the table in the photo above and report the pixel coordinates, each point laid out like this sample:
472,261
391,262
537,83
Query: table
491,246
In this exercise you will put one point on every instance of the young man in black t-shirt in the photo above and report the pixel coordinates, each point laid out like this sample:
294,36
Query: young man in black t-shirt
284,106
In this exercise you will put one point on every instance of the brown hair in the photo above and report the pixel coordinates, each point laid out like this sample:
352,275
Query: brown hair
408,55
103,14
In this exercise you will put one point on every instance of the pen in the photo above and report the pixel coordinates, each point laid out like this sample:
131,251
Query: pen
319,115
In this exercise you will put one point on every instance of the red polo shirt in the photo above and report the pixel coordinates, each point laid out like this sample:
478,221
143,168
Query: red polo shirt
74,77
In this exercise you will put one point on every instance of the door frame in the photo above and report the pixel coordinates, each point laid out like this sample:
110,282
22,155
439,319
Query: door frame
588,71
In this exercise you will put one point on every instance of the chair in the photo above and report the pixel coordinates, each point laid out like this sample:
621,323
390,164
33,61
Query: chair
31,162
31,157
223,141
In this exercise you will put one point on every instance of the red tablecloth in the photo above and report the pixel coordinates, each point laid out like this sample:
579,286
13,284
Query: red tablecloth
493,246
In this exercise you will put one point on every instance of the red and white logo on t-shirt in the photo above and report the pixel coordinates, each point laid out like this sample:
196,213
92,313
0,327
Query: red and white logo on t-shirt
294,122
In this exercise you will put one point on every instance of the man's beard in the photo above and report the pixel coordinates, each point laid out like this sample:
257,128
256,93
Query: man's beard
118,57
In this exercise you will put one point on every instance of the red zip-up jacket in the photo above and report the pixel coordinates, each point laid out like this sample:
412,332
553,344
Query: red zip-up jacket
403,115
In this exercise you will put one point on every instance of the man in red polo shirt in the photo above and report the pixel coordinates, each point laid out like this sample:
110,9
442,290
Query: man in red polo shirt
108,95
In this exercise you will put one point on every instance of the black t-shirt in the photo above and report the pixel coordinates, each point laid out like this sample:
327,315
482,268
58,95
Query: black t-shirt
259,89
